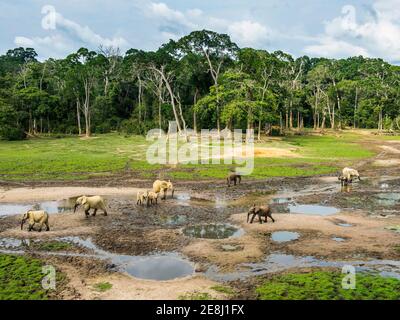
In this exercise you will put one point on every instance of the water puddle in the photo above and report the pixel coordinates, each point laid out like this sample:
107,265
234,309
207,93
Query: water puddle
338,239
284,236
51,207
278,262
231,247
162,266
388,199
312,209
346,225
213,231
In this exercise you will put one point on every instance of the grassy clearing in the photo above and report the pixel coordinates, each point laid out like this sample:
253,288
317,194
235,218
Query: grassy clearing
21,278
74,158
325,285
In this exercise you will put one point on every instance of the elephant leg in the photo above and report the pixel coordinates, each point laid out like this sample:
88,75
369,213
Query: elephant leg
94,212
252,218
47,226
105,213
234,182
273,220
259,218
40,228
87,213
30,227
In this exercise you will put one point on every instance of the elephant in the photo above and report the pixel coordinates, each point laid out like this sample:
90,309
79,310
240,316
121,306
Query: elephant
38,216
164,186
344,181
94,202
141,197
350,173
152,197
261,211
233,177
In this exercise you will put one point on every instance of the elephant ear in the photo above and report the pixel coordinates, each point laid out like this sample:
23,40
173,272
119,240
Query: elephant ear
84,200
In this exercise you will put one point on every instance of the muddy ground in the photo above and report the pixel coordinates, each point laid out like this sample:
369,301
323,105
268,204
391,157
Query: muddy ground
365,211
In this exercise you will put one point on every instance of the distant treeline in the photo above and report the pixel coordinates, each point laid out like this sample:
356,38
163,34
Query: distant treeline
203,80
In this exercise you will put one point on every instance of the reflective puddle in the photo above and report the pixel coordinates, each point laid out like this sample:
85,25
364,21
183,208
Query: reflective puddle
338,239
313,209
163,266
51,207
284,236
213,231
345,225
388,199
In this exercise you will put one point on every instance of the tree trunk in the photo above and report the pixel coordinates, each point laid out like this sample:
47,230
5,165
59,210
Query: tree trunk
259,130
78,115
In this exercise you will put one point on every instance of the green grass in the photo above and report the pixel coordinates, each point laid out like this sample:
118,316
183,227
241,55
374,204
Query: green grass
325,285
21,278
102,286
74,158
51,246
196,296
223,289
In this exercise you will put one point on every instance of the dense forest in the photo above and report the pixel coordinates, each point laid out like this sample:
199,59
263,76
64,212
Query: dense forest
203,80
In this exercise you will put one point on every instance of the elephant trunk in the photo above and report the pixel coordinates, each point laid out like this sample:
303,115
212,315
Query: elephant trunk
22,223
76,206
172,192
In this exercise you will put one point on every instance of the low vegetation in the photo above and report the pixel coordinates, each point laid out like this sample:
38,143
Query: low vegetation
21,278
325,285
102,286
196,296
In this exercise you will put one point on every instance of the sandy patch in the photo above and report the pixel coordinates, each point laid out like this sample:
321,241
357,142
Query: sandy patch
366,234
386,162
390,149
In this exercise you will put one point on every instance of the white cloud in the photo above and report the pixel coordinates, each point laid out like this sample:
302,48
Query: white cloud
377,36
244,32
67,37
248,32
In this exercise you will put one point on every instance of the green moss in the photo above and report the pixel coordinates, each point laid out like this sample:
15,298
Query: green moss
51,245
196,296
102,286
324,285
223,289
21,278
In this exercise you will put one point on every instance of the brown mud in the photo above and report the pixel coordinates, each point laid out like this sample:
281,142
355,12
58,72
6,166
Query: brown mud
366,209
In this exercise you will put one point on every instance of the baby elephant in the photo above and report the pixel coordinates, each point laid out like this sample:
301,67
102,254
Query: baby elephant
350,173
152,197
141,197
38,216
344,181
261,211
234,177
95,202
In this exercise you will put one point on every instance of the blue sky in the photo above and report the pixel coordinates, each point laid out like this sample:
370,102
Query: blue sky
336,29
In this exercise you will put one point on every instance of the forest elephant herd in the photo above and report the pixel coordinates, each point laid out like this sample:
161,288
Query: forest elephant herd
160,189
